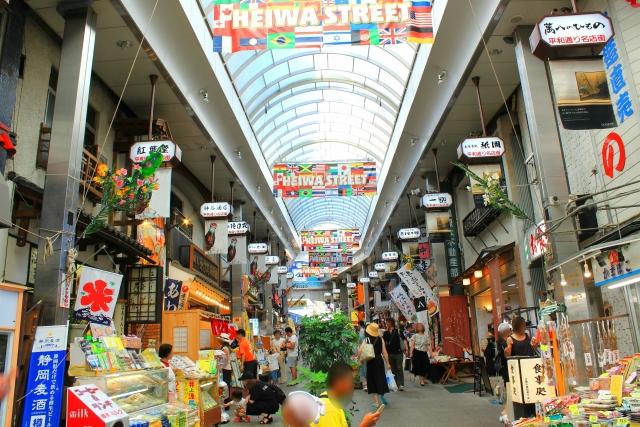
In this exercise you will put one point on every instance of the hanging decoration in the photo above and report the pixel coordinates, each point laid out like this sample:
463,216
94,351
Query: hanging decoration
216,236
152,237
128,194
159,205
237,250
97,295
325,180
274,24
422,286
344,240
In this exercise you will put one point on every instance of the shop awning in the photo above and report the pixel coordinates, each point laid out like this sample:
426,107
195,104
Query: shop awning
486,255
116,241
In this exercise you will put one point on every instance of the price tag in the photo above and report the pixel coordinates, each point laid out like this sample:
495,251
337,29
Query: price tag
544,347
622,421
547,419
585,401
574,409
593,418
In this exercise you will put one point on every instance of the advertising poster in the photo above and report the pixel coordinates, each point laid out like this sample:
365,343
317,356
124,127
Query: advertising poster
325,180
237,250
45,381
582,94
159,203
152,238
271,24
97,295
216,236
257,264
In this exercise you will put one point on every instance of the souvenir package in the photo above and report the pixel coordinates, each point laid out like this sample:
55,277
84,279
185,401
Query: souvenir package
568,351
586,348
545,331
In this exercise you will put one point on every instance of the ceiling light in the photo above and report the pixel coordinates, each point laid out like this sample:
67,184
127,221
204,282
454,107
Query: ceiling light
505,292
516,19
625,283
238,153
441,77
413,141
477,274
204,94
125,44
587,272
495,53
466,282
563,281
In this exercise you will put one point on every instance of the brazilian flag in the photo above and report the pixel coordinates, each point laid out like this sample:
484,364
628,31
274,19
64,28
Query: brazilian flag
305,193
281,40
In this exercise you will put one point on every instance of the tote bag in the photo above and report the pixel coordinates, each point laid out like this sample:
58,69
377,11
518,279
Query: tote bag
367,352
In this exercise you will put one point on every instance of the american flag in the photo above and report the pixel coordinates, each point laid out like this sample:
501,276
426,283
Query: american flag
393,35
420,27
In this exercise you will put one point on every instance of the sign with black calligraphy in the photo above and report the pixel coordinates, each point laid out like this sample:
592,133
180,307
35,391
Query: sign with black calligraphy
200,262
141,150
87,405
379,266
419,287
402,301
238,227
172,289
216,210
436,201
534,386
409,233
487,148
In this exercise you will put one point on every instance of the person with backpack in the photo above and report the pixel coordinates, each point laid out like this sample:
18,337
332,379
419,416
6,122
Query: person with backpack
263,399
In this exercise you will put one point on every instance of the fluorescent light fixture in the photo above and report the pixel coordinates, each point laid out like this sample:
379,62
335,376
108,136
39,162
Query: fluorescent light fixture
466,282
505,292
129,393
625,283
512,284
477,274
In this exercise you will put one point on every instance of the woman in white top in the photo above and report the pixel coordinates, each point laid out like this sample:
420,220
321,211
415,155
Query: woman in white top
277,342
166,352
228,356
420,346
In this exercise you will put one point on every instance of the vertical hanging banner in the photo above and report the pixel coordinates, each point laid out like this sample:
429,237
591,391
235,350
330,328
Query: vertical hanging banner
172,290
402,301
273,24
159,203
419,287
237,250
216,236
45,382
152,237
325,180
97,294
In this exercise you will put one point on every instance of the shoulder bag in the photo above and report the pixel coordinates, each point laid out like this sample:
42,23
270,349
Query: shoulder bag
367,352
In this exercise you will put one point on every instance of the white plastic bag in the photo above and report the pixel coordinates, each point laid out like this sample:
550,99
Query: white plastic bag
391,381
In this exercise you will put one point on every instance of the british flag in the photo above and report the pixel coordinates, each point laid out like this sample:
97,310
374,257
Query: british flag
292,168
392,35
357,191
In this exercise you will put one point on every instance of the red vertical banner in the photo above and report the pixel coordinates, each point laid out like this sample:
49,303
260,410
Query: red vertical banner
495,284
454,315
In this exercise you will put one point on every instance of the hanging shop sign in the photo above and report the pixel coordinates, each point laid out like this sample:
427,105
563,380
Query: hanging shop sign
409,233
435,201
582,94
486,149
420,288
389,256
373,275
351,285
238,227
257,264
379,266
402,301
282,269
535,242
143,290
97,295
216,210
200,262
608,152
617,265
216,238
87,405
330,259
237,250
365,280
272,260
159,205
152,237
325,180
141,150
172,290
573,34
45,380
258,248
289,275
330,240
317,24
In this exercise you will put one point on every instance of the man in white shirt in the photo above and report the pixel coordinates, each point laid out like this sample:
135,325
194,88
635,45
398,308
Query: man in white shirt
277,342
291,344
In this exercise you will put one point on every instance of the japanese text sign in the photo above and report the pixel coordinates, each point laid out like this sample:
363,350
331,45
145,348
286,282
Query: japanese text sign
269,24
535,242
351,285
409,233
418,287
373,275
141,150
87,405
379,266
216,210
344,240
238,227
46,377
325,180
97,295
575,29
271,260
402,301
282,269
390,256
534,385
258,248
435,201
484,147
622,263
172,290
365,280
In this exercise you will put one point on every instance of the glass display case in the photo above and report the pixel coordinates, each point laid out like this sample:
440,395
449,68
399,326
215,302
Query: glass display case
203,395
132,391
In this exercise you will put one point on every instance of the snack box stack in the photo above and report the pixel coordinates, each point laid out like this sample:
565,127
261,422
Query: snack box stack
188,367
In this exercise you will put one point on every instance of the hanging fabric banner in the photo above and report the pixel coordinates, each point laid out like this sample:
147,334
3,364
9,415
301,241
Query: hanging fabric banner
172,289
422,316
97,295
274,24
152,237
216,237
237,250
159,203
346,240
325,180
330,259
419,287
402,301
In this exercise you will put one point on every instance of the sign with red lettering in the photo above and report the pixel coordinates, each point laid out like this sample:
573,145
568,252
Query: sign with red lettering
170,151
87,405
608,153
535,242
325,180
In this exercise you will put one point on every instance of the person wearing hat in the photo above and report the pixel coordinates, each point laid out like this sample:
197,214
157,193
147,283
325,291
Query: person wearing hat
376,378
261,399
225,340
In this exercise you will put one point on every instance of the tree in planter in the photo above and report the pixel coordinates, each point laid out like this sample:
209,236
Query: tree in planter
325,339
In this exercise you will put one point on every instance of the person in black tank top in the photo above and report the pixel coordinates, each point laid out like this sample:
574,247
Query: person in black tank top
519,343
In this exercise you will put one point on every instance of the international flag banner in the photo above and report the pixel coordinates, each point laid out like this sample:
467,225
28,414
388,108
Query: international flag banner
284,24
325,180
324,241
330,259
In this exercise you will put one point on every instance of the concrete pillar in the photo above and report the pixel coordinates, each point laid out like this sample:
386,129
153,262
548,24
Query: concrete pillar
61,193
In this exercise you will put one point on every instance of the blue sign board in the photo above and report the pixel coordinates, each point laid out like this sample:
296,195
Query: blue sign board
46,377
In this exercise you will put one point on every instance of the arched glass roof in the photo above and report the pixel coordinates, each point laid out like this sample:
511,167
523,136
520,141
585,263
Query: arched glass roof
335,104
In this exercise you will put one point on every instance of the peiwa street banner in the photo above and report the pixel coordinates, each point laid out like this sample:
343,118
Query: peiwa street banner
325,180
330,259
347,240
276,24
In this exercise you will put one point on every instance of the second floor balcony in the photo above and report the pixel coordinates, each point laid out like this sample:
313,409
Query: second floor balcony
478,220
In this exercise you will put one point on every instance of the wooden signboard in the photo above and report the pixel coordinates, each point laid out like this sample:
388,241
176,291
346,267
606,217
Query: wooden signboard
480,375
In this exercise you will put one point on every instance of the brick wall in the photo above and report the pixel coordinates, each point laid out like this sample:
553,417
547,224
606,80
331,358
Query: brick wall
151,331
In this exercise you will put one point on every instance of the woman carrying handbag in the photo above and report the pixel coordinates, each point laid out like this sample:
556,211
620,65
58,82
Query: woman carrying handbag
374,346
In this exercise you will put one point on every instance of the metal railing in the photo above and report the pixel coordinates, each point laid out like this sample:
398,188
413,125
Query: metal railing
478,220
89,165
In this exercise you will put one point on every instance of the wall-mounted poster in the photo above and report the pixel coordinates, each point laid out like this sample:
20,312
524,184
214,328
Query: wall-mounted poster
216,236
325,180
582,94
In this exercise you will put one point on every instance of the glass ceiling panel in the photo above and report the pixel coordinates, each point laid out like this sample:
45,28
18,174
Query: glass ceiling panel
335,104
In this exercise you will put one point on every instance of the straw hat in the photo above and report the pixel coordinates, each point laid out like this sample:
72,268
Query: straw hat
372,330
225,338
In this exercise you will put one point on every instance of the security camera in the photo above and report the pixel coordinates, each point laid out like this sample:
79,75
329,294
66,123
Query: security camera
441,77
